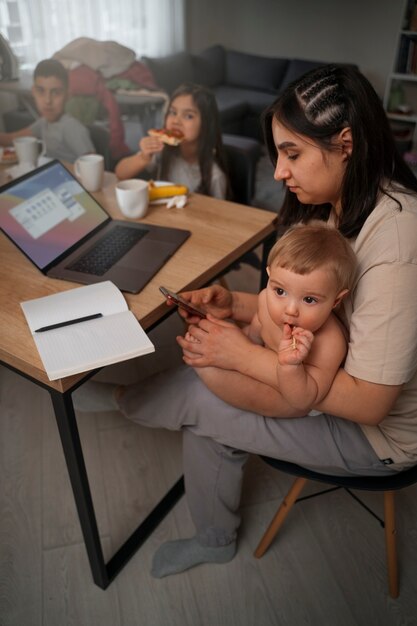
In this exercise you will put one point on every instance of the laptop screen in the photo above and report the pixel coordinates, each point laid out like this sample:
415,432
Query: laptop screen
47,211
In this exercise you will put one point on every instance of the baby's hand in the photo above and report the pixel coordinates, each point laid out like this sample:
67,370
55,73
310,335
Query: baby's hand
150,146
189,337
295,345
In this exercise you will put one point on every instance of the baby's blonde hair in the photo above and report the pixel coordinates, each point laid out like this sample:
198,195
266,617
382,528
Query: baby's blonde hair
308,247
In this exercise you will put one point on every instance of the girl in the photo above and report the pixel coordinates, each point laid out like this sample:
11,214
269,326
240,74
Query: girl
198,161
331,144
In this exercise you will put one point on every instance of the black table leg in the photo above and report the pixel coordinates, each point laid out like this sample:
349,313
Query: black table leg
103,573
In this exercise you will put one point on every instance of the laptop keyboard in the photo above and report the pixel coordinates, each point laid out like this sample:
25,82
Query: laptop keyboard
112,247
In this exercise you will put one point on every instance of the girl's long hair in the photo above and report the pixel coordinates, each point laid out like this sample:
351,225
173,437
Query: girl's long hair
320,105
210,144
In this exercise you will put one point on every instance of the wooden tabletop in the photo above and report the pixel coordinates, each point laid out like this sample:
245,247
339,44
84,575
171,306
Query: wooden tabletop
221,232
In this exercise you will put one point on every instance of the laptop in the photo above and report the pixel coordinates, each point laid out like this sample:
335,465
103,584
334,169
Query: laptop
65,232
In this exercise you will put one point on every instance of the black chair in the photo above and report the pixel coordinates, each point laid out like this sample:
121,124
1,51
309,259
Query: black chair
387,484
242,155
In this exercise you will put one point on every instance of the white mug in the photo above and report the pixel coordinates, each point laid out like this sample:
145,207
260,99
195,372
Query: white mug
89,168
133,197
28,149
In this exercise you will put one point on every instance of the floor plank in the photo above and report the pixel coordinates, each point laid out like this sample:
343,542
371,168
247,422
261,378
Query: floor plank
69,597
20,500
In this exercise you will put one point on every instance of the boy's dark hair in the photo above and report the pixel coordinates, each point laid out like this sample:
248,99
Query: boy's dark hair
51,67
210,144
319,105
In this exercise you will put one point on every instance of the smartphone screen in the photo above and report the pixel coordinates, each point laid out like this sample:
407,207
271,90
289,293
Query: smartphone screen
183,304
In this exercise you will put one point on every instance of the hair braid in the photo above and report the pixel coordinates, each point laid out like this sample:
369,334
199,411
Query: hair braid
321,99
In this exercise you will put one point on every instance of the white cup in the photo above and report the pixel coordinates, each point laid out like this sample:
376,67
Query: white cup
89,168
133,197
28,150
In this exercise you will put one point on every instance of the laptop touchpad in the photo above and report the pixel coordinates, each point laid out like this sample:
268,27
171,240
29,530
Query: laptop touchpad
148,254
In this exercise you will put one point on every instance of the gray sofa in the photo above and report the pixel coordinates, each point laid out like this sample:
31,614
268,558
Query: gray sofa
244,84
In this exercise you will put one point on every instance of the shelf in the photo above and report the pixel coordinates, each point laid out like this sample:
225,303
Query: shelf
408,77
411,119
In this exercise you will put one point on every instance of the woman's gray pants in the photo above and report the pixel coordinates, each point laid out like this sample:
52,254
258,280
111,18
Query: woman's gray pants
217,438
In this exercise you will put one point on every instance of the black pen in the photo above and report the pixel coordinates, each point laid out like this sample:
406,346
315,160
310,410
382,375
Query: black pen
69,322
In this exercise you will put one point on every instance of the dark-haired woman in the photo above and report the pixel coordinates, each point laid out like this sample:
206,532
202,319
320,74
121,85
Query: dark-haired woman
331,144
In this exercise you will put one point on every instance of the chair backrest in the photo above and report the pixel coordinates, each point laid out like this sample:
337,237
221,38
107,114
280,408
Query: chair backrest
241,155
100,137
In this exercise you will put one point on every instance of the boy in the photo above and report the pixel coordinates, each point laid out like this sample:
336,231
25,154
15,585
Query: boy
311,269
64,137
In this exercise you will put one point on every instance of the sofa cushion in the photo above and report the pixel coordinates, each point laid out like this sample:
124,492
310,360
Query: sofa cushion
255,72
257,101
296,68
171,71
209,66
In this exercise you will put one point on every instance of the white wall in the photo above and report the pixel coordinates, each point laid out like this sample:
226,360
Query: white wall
364,32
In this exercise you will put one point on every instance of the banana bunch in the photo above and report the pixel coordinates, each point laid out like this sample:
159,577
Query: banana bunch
165,191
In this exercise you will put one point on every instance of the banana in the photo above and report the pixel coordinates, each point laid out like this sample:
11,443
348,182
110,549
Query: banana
166,191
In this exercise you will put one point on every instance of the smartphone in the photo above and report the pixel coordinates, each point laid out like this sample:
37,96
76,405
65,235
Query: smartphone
183,304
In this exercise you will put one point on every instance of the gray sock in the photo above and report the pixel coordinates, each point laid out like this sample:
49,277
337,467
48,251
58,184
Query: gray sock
174,557
94,396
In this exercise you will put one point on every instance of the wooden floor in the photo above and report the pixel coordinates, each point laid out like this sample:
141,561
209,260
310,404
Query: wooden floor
327,568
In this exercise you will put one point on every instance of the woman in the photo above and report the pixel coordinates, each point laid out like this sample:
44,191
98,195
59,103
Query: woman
331,142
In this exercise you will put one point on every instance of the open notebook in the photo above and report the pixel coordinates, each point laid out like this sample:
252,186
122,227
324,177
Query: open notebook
65,232
81,329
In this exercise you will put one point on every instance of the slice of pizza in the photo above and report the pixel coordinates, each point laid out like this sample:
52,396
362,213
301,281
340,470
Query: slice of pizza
170,137
9,155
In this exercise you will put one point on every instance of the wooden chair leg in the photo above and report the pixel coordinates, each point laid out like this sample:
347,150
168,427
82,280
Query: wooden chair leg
280,516
391,543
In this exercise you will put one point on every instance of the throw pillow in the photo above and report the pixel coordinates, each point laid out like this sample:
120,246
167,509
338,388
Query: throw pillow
171,71
253,71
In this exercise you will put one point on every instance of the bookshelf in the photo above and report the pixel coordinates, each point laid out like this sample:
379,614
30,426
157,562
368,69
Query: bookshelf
400,98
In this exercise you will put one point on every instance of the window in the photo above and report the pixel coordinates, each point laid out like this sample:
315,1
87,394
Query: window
36,29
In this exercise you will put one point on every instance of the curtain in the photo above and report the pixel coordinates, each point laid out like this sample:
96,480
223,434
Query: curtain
36,29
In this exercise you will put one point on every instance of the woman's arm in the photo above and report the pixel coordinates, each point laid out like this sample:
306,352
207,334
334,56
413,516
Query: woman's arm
245,306
246,393
383,338
358,400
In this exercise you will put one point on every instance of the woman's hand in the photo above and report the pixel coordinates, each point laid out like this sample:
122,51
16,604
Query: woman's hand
216,343
214,300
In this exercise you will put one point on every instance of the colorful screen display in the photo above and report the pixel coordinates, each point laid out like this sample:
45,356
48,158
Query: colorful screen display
47,213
